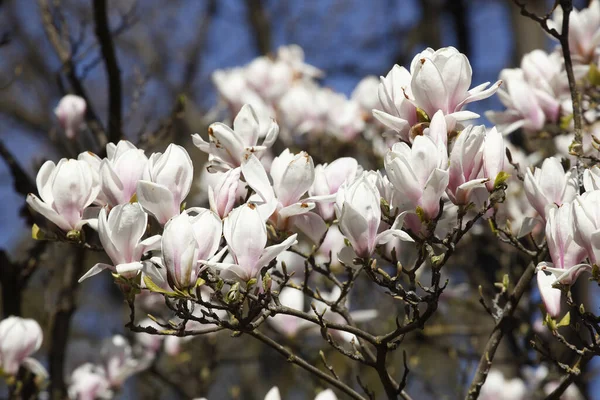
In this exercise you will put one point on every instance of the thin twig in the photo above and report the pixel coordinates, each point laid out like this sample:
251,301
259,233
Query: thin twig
294,359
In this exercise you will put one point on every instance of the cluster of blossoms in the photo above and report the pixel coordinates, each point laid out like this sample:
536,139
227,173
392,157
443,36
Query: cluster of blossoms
537,96
263,205
440,176
285,87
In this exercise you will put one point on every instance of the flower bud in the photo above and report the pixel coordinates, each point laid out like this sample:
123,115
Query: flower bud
19,338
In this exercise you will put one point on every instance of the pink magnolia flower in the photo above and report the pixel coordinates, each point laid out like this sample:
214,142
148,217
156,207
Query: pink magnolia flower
121,233
397,111
359,215
584,30
118,361
289,325
66,190
269,78
418,174
186,241
166,183
497,387
19,338
326,394
466,179
550,186
528,106
565,254
226,147
231,85
293,55
441,81
121,171
246,235
223,190
328,179
344,117
365,94
305,108
283,202
70,112
89,382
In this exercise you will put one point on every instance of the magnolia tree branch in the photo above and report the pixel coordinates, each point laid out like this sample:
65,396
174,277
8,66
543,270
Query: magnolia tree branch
294,359
115,95
260,25
503,326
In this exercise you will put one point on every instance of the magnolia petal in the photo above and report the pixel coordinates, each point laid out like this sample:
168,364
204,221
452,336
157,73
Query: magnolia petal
271,252
312,225
256,177
95,270
550,295
127,269
157,200
44,209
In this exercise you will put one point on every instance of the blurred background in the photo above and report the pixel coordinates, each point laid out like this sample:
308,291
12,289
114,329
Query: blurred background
166,53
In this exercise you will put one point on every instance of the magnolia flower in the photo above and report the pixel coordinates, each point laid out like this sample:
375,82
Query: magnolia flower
66,190
528,107
70,112
305,108
550,186
231,85
293,55
365,94
544,72
19,338
466,164
222,191
246,235
121,171
584,30
118,361
326,395
226,146
293,175
418,175
269,78
397,111
328,179
121,233
186,241
273,394
441,80
586,223
497,387
166,183
359,214
89,382
290,325
344,118
565,254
